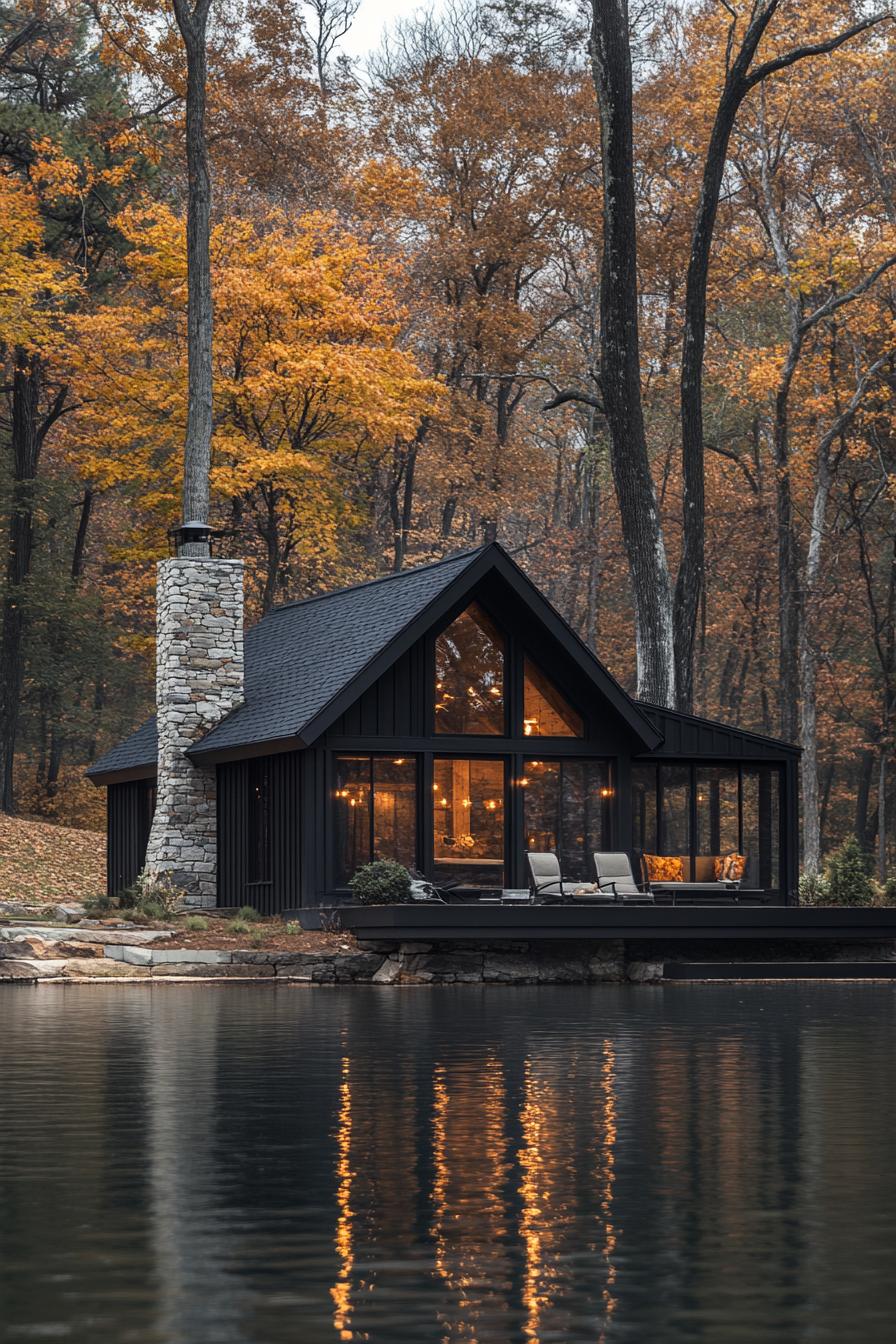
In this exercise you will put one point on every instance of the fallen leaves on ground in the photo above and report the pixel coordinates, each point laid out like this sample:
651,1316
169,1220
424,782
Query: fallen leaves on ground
40,862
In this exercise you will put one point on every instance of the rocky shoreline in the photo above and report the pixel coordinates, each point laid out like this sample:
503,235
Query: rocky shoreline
42,953
63,943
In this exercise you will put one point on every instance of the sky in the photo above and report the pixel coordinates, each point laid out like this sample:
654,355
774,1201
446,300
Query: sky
372,18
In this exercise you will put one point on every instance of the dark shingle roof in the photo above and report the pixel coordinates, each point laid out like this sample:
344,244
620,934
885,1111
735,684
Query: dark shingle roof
136,753
299,657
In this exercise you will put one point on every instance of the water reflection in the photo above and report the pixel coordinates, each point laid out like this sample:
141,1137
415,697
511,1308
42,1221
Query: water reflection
461,1164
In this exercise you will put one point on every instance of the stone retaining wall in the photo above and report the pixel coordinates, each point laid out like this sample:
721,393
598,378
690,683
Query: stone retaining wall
143,956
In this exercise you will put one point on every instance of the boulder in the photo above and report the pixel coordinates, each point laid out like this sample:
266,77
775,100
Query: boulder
102,969
69,914
45,970
18,910
17,970
16,948
644,972
388,973
78,949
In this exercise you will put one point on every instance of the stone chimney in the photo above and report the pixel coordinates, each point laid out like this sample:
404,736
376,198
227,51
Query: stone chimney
199,679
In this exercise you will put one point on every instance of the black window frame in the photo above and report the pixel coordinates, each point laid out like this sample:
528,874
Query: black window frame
333,861
508,677
741,768
516,651
608,801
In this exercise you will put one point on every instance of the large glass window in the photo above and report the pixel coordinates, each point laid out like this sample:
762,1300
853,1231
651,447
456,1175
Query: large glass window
718,830
675,809
547,713
468,822
735,810
567,809
762,827
375,811
644,819
469,676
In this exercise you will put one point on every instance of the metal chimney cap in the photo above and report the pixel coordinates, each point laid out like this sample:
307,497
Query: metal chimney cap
185,533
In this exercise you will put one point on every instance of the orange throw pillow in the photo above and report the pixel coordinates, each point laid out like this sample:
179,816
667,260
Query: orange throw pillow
730,867
664,868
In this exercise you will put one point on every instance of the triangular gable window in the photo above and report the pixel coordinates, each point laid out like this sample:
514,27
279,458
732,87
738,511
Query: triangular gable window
547,713
469,689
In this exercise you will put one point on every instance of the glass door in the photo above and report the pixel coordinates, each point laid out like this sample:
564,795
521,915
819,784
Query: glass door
468,801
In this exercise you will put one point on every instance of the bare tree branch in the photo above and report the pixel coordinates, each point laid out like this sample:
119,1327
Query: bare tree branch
838,300
814,49
573,394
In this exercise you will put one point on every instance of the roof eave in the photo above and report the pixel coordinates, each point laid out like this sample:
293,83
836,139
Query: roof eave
245,751
102,778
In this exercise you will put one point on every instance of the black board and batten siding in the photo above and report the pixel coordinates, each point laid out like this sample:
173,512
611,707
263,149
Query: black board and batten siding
259,832
129,809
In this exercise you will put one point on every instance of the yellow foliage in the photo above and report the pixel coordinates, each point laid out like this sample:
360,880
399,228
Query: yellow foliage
33,285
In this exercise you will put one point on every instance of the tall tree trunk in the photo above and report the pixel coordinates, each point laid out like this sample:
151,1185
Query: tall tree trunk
53,713
741,76
192,20
29,429
882,814
620,365
863,797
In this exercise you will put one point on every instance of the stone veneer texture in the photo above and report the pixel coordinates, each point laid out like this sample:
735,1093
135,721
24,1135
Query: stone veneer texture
199,679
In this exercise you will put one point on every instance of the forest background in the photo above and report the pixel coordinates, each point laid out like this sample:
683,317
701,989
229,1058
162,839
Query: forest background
406,263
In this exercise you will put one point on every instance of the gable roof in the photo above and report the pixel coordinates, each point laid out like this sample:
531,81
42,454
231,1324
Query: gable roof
308,661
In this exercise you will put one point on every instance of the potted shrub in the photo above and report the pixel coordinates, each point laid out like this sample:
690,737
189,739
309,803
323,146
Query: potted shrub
381,883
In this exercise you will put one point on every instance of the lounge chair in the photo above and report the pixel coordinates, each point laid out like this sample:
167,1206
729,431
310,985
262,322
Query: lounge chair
549,886
615,878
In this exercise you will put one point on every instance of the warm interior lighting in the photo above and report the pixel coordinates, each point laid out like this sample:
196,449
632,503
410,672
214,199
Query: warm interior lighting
467,802
546,711
523,782
490,805
606,793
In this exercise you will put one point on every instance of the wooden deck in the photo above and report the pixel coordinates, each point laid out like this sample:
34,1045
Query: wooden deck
530,923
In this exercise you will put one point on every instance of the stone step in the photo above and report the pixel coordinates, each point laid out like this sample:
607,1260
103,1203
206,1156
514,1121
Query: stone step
55,933
158,956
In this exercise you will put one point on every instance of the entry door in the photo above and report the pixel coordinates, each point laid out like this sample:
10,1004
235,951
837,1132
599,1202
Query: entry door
469,821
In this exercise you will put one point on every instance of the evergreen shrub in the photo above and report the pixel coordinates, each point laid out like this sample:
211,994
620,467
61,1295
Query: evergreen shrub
381,883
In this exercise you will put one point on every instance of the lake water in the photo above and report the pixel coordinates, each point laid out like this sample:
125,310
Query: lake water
250,1165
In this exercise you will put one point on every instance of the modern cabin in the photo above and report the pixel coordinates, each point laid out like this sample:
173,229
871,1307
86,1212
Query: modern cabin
447,717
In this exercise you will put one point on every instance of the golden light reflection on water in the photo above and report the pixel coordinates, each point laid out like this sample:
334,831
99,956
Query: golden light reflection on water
342,1288
513,1165
606,1174
559,1169
470,1221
